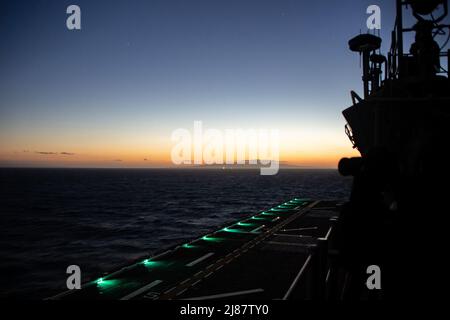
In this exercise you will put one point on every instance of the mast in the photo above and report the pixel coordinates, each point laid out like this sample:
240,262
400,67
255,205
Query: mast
399,29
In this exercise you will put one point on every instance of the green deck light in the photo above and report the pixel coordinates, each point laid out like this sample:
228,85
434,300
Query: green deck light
289,204
232,230
212,239
106,284
246,224
188,246
279,210
268,213
298,201
149,263
259,218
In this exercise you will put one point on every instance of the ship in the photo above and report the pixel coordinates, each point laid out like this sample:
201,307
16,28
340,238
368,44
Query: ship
306,249
266,256
394,217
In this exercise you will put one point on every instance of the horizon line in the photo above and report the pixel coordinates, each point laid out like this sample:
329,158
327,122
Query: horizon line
168,168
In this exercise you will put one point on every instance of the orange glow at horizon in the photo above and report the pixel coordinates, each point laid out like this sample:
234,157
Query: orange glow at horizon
313,161
305,148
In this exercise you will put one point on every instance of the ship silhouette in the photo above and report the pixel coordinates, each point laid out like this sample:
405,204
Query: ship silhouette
400,128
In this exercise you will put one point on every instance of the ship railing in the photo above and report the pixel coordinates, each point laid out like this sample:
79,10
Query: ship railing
325,277
317,278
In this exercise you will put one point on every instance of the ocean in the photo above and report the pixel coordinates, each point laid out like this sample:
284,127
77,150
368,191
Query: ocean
101,219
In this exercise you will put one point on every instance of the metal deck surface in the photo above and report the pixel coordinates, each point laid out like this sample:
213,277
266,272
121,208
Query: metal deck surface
266,256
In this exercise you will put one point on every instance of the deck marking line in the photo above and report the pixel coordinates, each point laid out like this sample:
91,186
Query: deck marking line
181,292
300,229
297,278
198,273
170,290
196,282
225,295
219,267
289,244
292,235
141,290
206,256
161,254
257,229
329,232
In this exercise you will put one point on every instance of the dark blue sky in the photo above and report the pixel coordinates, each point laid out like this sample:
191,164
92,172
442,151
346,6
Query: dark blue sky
152,66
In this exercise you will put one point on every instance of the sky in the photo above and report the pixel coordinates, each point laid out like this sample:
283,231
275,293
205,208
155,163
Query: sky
112,93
